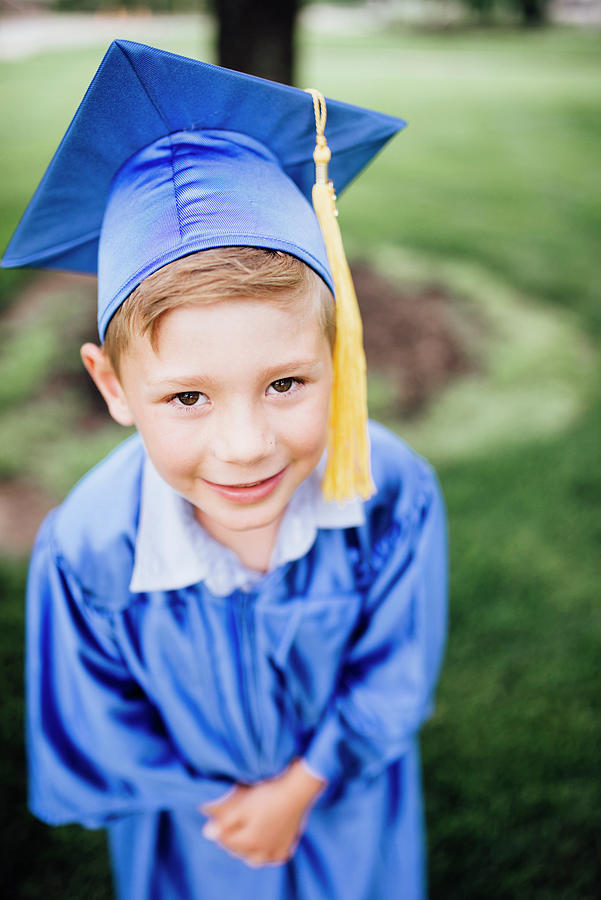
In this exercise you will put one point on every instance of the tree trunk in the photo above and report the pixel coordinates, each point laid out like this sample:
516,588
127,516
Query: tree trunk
256,36
534,12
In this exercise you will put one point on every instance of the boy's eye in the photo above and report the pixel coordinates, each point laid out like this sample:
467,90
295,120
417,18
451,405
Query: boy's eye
189,398
282,385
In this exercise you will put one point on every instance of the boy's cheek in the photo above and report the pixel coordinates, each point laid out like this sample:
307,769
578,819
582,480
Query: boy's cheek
312,432
173,458
311,443
173,455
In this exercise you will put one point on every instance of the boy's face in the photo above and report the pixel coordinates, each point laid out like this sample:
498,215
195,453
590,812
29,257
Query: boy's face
233,405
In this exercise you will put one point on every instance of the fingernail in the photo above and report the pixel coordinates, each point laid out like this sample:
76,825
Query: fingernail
210,831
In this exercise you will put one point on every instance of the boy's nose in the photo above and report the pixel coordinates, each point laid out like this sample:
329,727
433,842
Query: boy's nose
242,437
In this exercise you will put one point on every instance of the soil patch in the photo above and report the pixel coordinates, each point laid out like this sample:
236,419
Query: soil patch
410,337
40,295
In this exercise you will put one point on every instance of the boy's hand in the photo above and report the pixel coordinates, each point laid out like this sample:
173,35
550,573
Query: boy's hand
262,823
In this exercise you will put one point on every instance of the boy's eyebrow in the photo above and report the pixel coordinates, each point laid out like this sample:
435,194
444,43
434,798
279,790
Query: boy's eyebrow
290,367
282,370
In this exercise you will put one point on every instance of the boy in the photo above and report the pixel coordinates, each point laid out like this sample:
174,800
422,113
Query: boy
225,669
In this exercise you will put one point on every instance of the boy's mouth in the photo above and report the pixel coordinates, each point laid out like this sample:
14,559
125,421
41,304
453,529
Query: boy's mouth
250,492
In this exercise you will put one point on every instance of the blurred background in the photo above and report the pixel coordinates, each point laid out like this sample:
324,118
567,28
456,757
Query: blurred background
474,240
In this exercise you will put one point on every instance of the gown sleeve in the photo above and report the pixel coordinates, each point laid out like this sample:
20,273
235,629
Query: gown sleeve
97,747
386,684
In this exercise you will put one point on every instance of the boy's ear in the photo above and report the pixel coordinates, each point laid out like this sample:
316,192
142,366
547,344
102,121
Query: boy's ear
103,375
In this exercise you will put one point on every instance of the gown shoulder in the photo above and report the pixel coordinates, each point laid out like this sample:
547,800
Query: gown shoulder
92,533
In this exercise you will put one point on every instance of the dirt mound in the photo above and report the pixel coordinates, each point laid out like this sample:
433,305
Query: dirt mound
409,337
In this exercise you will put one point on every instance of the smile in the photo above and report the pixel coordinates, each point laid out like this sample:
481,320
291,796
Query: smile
248,493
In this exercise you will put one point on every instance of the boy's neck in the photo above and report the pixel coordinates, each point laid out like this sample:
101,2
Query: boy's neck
253,547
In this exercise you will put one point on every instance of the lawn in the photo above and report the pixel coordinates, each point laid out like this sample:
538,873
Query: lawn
494,191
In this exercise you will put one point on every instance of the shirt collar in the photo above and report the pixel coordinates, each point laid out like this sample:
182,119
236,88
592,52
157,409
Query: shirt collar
174,551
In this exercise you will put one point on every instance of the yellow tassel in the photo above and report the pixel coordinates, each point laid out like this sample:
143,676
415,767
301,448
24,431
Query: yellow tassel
347,472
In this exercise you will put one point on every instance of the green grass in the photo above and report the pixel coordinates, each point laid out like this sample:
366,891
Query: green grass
535,370
499,163
493,188
512,754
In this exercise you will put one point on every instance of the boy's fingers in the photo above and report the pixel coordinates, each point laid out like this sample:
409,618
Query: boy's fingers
230,824
221,831
211,831
258,860
210,809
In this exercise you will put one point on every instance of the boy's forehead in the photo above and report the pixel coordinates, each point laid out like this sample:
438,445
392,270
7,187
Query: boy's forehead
280,316
206,340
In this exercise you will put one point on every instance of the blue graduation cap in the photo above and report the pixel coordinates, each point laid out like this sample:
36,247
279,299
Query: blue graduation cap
168,155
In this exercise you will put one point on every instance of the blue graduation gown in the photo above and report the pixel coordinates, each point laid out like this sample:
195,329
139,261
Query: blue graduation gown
143,706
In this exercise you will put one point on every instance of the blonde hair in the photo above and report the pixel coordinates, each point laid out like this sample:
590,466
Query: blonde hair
210,276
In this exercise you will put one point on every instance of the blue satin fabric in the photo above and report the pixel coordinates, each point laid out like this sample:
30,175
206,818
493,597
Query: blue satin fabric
194,190
142,706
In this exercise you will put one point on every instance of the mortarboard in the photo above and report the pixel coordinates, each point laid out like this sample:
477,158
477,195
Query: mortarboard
167,155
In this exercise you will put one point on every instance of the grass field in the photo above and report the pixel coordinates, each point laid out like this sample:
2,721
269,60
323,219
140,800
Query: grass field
496,185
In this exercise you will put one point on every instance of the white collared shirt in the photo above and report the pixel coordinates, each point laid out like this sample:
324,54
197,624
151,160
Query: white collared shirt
174,551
